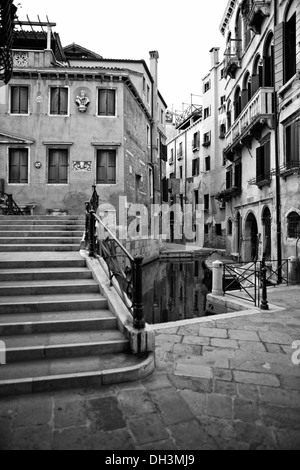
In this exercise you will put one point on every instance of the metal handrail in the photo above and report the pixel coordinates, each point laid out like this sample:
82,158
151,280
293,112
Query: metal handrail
12,206
127,274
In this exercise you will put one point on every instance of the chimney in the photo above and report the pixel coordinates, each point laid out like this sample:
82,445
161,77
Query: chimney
154,56
214,56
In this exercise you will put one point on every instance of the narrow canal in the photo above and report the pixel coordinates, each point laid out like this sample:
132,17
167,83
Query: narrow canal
173,290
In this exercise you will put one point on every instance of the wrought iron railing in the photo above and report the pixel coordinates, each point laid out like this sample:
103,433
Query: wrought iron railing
250,278
123,270
8,205
244,278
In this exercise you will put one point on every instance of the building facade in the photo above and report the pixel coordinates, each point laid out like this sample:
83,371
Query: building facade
261,67
70,119
195,161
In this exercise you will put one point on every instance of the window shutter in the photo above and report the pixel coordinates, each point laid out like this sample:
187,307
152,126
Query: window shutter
267,159
23,162
63,167
15,93
111,167
244,98
111,102
279,55
63,105
53,167
23,100
238,175
101,167
290,52
14,161
259,162
297,141
255,84
54,101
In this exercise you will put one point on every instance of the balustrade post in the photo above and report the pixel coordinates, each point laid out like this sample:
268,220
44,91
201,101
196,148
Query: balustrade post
10,204
264,302
92,234
138,307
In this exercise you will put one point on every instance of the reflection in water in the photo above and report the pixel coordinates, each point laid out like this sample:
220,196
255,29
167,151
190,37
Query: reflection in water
173,291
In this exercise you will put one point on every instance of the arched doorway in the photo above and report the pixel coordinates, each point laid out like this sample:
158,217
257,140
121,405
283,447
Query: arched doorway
267,240
251,238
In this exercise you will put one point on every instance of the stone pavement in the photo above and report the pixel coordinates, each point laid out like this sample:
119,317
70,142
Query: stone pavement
222,384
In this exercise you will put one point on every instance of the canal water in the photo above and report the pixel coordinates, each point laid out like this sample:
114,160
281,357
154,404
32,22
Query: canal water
174,290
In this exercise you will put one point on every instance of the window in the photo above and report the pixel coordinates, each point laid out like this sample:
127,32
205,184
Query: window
180,172
206,139
58,164
148,135
196,141
222,74
229,173
238,175
180,152
263,162
162,116
106,167
206,86
222,131
292,135
207,112
206,202
151,182
223,99
196,198
19,100
59,101
18,166
195,167
144,85
106,102
148,93
206,229
218,229
207,164
293,225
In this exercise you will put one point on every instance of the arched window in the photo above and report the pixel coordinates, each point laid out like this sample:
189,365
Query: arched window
229,227
256,80
290,51
268,67
228,114
246,91
293,225
237,102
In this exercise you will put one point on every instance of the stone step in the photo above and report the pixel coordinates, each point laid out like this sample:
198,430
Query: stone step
65,218
58,374
41,222
36,247
57,322
61,345
52,303
34,274
41,263
48,287
40,241
41,234
42,227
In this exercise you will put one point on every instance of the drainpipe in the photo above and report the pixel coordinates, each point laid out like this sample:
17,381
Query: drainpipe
278,181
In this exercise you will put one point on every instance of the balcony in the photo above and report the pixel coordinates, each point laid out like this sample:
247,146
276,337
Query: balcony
232,57
257,114
259,10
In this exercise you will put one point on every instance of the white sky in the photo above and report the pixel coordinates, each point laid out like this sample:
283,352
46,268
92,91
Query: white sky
182,31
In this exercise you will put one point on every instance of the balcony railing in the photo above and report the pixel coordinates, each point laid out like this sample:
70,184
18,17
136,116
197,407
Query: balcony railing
258,112
232,57
259,9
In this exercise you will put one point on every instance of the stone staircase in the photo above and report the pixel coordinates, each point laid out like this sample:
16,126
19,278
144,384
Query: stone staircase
56,325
